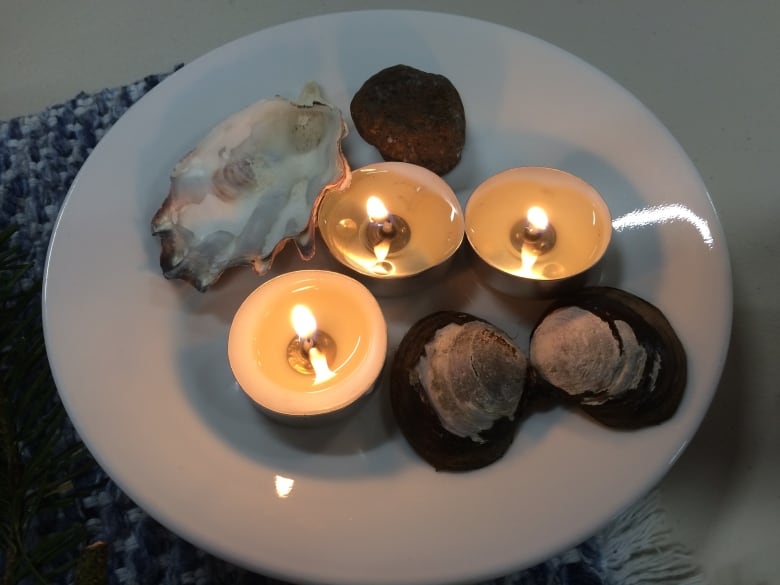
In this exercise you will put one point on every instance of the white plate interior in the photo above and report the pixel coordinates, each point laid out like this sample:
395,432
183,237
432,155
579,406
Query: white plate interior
141,363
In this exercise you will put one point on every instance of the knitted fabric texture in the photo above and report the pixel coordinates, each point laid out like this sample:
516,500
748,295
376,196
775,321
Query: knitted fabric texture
39,157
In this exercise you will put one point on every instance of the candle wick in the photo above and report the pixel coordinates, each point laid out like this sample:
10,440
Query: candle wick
384,228
390,233
307,344
306,352
388,229
530,238
532,233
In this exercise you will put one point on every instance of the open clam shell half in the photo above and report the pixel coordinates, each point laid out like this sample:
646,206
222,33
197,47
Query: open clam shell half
456,386
611,354
250,185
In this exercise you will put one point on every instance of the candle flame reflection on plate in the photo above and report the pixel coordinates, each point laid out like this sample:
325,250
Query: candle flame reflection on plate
283,485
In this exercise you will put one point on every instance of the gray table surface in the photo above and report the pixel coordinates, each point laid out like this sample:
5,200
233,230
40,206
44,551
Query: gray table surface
709,69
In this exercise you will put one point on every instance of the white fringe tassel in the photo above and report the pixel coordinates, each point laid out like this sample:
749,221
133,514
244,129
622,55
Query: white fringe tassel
638,549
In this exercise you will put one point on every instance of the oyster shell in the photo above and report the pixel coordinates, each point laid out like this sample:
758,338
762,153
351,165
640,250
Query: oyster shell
612,354
250,185
456,386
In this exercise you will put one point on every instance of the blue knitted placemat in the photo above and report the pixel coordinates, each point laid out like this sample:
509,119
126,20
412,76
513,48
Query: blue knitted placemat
40,155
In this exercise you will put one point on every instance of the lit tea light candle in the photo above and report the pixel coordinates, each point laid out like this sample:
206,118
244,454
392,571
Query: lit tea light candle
396,222
307,344
536,231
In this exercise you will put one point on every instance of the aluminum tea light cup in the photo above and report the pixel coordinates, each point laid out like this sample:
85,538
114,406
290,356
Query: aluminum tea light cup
396,228
305,346
536,231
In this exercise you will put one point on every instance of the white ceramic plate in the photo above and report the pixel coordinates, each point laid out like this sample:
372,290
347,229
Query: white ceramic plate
141,364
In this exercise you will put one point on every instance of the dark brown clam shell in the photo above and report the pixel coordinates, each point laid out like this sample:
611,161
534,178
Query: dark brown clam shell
657,396
417,418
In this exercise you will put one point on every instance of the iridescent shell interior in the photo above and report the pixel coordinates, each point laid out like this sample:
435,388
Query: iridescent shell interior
253,183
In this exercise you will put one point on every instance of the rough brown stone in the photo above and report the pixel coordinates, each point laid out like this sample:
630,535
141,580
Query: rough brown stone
411,116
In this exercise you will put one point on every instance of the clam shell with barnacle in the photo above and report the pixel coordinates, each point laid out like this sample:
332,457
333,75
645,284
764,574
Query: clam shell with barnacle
612,354
253,183
456,387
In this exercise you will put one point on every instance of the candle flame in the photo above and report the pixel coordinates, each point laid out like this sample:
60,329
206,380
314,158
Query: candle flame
376,210
303,321
537,218
319,362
